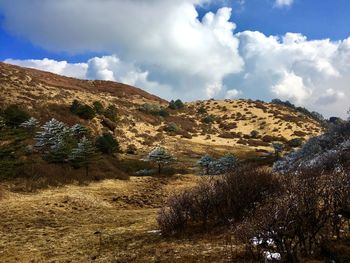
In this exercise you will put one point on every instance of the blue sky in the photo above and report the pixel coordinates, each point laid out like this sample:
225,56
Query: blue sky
192,49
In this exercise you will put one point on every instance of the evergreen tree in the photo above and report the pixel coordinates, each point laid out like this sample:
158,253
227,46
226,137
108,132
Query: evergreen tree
56,141
205,163
30,124
83,155
227,163
52,131
79,131
107,144
160,157
2,123
59,152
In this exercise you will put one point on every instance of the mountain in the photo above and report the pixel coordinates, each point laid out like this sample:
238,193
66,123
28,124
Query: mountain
244,127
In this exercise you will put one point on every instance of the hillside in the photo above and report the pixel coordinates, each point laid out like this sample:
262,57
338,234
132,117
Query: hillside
114,206
202,126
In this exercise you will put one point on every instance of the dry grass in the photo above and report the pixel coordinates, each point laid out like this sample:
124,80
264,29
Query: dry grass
48,95
63,225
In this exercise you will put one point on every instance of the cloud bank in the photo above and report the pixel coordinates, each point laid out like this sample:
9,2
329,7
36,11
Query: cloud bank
163,47
283,3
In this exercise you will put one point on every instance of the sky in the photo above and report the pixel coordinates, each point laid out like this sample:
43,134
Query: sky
296,50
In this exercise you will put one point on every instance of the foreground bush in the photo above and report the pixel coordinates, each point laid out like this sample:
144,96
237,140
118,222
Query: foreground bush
217,200
307,214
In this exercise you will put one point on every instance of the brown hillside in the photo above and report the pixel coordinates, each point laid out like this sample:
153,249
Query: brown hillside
48,95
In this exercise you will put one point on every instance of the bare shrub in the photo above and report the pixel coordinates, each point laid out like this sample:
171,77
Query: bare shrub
295,223
219,200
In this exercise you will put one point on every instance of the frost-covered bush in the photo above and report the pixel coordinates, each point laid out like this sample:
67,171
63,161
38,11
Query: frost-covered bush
146,172
79,130
30,124
205,163
160,157
327,151
210,166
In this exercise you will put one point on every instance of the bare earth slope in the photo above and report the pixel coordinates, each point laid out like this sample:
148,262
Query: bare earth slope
48,95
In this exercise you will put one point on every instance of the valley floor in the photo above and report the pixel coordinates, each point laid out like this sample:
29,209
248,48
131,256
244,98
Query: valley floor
107,221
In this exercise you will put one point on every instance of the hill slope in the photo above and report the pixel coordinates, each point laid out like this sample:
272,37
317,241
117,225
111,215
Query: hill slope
201,126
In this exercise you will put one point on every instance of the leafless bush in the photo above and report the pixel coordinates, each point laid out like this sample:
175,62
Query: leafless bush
295,223
218,200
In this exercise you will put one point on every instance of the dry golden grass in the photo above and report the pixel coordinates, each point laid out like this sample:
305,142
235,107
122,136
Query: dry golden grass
48,95
109,221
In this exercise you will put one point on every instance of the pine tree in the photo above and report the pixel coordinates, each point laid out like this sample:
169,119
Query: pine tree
205,163
227,163
160,157
79,131
30,124
52,131
83,155
59,152
2,123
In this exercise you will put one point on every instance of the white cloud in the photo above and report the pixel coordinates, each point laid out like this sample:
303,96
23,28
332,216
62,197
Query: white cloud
77,70
99,68
232,94
283,3
164,36
291,87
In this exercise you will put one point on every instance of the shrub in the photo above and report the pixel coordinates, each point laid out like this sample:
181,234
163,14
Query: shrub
131,149
305,215
107,144
146,172
84,111
98,107
254,134
210,166
163,112
218,201
171,127
205,163
209,119
202,110
111,113
14,116
176,105
296,142
74,108
154,110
